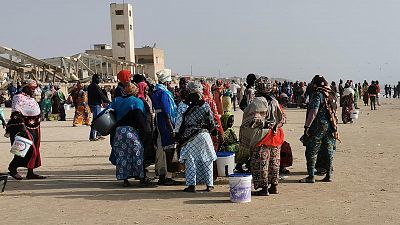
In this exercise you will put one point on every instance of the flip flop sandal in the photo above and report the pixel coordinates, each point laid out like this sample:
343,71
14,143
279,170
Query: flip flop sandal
209,189
189,190
260,193
35,177
307,180
16,176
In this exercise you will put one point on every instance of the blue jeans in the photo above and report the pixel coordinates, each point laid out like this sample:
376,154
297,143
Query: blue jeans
96,109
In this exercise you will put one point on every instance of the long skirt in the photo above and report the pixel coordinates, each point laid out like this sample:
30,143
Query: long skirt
128,153
198,156
82,115
365,98
265,162
321,147
32,158
286,155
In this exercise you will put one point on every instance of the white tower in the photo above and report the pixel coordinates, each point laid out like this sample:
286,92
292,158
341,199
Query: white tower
123,42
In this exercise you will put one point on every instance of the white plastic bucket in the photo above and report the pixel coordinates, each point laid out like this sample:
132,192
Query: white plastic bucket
240,187
354,115
225,163
20,146
67,107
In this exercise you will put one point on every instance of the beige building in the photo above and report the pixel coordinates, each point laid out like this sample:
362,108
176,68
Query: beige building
100,49
152,59
123,42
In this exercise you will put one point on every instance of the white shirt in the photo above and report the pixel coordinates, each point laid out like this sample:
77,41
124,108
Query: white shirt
233,87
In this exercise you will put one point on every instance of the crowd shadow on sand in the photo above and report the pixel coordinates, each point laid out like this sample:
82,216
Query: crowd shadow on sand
100,184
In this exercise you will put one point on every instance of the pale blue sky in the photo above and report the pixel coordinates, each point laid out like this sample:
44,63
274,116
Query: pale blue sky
350,39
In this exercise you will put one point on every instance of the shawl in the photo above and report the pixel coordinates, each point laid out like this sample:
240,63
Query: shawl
142,87
122,105
330,103
172,105
348,91
259,118
25,104
224,120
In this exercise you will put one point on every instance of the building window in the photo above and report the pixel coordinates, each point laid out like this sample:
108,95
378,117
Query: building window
121,44
122,58
130,26
120,27
119,12
130,13
157,60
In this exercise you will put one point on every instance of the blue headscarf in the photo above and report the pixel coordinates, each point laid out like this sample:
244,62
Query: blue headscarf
122,105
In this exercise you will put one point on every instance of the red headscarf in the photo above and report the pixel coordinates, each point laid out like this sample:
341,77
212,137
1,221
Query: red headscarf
124,76
142,87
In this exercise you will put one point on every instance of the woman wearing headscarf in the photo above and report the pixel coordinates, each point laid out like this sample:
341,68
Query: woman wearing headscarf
194,123
261,133
82,109
124,77
25,121
127,145
217,94
46,103
182,91
227,98
249,93
149,150
347,101
365,93
231,142
320,129
216,137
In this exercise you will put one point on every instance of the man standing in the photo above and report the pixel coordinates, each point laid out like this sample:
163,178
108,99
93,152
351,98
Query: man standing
166,111
398,90
96,99
372,92
234,87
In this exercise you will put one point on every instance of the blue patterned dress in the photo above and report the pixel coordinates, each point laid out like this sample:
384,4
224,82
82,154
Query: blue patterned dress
128,153
127,148
322,143
198,151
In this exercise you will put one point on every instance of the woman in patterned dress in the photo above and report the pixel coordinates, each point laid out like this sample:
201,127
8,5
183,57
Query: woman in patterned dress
82,109
217,94
127,146
347,103
25,121
217,138
194,123
261,132
320,129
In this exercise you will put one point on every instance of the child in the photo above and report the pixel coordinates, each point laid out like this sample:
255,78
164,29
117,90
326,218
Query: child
230,142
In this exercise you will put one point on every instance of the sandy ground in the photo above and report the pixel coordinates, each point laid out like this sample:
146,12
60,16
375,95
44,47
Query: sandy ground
81,186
